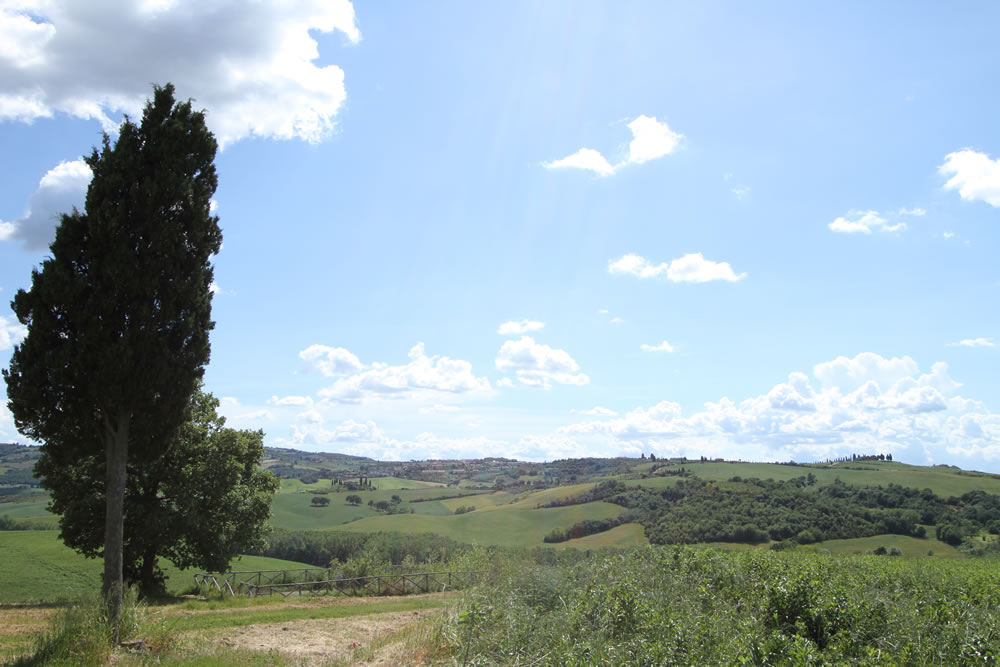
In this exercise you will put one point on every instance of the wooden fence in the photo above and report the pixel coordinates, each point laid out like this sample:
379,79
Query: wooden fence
271,582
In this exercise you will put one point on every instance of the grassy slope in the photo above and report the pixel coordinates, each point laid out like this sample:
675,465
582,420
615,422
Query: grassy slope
513,527
943,481
35,566
910,546
626,535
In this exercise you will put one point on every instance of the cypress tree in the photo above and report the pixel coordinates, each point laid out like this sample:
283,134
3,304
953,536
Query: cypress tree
119,315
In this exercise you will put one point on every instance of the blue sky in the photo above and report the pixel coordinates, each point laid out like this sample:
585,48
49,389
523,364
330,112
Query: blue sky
558,229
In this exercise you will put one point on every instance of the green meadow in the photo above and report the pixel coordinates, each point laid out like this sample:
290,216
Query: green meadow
507,527
944,481
35,566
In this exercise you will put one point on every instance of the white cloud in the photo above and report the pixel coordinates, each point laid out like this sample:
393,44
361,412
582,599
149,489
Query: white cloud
420,375
330,361
596,411
948,235
241,416
974,175
848,374
651,139
367,439
60,189
517,328
662,347
616,320
251,65
966,342
864,222
297,401
505,382
585,158
916,211
864,404
538,365
12,332
740,191
692,267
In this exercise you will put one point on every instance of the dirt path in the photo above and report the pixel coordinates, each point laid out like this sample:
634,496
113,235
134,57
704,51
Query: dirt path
319,642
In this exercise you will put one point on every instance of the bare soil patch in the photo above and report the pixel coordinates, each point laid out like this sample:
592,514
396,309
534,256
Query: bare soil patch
318,642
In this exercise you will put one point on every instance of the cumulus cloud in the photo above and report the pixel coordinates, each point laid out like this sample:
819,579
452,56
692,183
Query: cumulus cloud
422,374
691,268
296,401
368,439
7,430
973,174
651,139
241,416
538,365
864,222
965,342
251,65
585,158
12,332
868,403
661,347
518,328
330,361
60,190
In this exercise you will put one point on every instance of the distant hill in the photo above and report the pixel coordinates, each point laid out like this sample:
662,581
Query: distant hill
591,501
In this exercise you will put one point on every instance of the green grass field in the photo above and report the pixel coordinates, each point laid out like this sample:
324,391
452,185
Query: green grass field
510,527
292,508
29,506
36,566
910,546
944,482
626,535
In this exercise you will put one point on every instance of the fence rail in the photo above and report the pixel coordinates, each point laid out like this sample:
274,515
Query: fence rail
275,582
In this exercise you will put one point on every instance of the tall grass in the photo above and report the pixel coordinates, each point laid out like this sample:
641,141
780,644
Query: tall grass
83,633
657,605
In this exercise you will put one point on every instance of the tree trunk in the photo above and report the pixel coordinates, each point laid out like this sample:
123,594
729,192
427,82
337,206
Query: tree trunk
116,458
147,584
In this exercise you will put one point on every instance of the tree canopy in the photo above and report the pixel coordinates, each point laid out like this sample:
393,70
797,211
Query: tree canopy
118,316
202,503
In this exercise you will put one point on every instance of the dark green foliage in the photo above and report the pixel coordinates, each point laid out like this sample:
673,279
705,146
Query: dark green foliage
353,499
203,502
320,501
950,533
753,511
587,527
119,314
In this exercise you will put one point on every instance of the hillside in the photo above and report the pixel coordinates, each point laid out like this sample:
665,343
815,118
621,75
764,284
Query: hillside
591,502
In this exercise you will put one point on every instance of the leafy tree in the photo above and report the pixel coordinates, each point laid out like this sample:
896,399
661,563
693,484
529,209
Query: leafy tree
320,501
353,499
118,316
203,502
